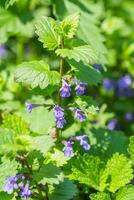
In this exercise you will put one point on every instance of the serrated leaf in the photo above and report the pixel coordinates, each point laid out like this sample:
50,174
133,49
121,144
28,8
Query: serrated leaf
70,24
7,168
64,191
131,148
45,29
88,30
10,3
100,196
86,73
87,169
16,124
118,170
84,53
48,173
36,74
125,193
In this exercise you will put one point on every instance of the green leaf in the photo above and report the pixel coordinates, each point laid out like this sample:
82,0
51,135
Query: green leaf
88,29
131,148
87,169
86,73
105,142
100,196
16,124
84,53
57,157
40,120
48,174
126,193
36,74
45,29
42,143
7,168
64,191
70,24
5,196
118,170
10,3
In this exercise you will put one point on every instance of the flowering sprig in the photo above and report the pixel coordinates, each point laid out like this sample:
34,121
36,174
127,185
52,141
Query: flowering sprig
19,183
59,116
68,148
78,114
65,90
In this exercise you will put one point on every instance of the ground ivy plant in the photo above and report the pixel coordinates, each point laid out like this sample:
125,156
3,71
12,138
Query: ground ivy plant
63,159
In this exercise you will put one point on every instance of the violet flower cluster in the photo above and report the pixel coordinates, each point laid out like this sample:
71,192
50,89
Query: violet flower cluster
68,148
65,90
59,116
19,183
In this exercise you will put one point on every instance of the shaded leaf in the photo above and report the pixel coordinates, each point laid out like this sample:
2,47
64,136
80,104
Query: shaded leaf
100,196
64,191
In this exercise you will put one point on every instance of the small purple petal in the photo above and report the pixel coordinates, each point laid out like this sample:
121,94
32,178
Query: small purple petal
112,124
124,82
65,90
25,191
80,88
30,106
83,141
68,149
59,116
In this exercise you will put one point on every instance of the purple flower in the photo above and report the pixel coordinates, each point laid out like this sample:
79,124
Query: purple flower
98,67
68,149
124,82
83,139
108,84
78,114
59,116
3,51
65,90
25,191
30,106
129,116
112,124
11,184
80,88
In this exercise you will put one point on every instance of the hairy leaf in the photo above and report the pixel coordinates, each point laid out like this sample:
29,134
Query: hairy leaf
118,170
16,124
88,28
85,53
100,196
45,29
87,169
64,191
36,74
70,24
126,193
48,174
